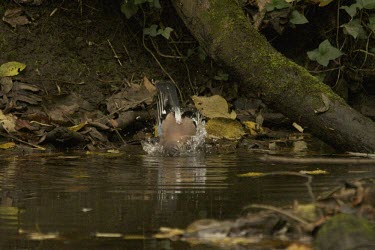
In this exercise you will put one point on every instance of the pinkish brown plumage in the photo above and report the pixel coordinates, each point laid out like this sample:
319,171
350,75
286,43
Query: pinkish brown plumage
176,134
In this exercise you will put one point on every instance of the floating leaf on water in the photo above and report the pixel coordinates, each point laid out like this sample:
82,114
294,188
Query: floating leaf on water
43,236
108,235
11,68
134,237
314,172
167,233
213,107
251,174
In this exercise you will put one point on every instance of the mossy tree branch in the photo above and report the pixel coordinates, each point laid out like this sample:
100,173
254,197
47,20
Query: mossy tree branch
224,32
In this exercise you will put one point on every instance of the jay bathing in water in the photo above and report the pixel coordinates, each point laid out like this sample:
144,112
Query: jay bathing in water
174,129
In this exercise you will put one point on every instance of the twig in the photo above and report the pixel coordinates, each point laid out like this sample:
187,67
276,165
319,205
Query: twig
118,134
24,142
127,52
280,211
325,70
46,79
114,52
317,160
164,55
156,59
307,183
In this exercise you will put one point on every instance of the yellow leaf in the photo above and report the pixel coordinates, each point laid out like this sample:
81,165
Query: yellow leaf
251,174
213,107
224,128
7,145
253,127
298,127
77,127
314,172
11,68
134,237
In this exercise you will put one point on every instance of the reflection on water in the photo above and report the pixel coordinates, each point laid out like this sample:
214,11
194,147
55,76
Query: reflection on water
76,197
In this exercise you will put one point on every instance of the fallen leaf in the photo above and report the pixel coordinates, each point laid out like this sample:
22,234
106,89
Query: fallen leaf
14,17
251,174
131,97
77,127
314,172
298,127
108,235
166,233
43,236
11,68
8,122
325,106
6,84
253,128
213,107
224,128
7,145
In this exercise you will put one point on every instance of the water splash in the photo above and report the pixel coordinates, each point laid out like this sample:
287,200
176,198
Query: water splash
191,147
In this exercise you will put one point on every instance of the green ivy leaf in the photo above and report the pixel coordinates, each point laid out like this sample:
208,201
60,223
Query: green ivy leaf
351,10
355,29
371,22
129,9
366,4
157,4
221,76
276,4
324,53
138,2
298,18
152,31
201,54
165,32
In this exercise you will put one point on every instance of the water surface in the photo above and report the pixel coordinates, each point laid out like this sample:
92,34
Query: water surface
88,201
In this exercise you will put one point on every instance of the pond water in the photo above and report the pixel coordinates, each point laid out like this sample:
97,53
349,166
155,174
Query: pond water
86,201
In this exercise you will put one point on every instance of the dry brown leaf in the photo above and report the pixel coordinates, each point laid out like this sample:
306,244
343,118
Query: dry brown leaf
8,122
14,17
131,97
6,84
213,107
